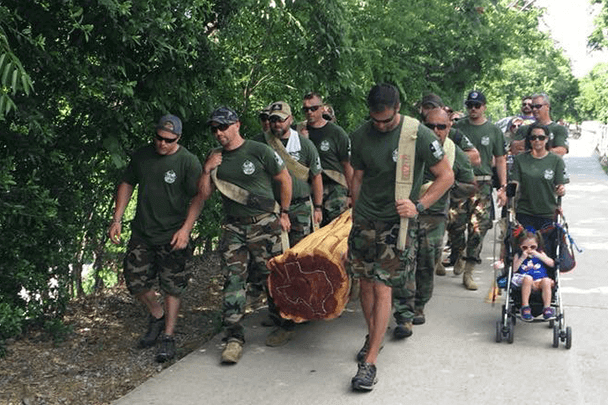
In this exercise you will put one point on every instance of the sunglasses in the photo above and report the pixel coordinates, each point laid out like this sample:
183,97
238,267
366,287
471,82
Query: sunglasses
166,140
441,127
386,121
312,108
526,104
515,125
470,106
538,137
264,117
526,247
275,118
537,106
221,127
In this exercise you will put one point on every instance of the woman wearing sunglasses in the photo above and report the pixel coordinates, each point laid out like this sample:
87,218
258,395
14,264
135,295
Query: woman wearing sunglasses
541,176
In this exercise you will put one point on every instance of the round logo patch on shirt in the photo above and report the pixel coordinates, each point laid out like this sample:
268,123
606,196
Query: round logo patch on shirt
549,174
248,167
170,177
324,146
485,141
395,155
295,155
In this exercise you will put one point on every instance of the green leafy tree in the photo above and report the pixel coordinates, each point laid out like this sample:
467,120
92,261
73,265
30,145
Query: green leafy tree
593,100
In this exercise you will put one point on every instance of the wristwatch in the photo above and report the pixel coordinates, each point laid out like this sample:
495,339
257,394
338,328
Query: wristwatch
420,207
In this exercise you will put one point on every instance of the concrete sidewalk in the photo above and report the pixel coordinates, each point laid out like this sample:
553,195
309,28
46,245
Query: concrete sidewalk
452,359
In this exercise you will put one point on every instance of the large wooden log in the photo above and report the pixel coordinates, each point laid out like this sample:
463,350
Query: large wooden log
309,281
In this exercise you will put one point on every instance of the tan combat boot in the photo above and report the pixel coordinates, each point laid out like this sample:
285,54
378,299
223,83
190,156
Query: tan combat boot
459,266
467,277
440,269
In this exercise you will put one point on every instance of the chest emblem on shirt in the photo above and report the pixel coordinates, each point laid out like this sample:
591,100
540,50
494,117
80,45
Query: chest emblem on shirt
485,141
278,159
295,155
548,174
436,150
395,155
170,177
324,146
248,167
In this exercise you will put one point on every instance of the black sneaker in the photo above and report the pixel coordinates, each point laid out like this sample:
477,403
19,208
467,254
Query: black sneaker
167,349
403,330
363,352
365,378
155,327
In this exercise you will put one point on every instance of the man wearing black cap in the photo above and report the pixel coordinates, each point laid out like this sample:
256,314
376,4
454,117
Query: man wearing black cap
167,175
243,171
489,140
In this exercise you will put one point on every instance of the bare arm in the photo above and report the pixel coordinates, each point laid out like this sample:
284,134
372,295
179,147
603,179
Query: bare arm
123,195
474,156
182,236
559,150
357,179
544,258
284,179
317,196
348,173
501,170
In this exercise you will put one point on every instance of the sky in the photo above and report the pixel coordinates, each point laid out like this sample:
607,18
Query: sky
570,23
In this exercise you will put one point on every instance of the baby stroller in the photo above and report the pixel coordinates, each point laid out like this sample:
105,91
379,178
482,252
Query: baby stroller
511,309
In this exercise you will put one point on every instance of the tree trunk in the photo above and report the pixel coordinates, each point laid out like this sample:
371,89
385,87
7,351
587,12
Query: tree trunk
309,281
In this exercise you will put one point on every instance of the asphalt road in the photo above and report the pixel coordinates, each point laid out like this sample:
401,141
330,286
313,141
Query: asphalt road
452,359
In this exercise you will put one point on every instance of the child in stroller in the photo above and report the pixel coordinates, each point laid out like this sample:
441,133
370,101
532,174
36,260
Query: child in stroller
530,262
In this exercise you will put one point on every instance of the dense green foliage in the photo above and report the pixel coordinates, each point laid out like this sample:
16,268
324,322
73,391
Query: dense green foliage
93,76
593,101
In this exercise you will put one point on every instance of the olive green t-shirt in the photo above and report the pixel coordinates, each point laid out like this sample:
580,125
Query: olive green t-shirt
252,167
489,141
376,154
333,145
558,134
166,184
460,139
306,156
463,172
537,179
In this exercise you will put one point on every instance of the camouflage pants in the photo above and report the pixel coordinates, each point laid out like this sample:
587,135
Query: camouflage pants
245,249
300,216
143,264
430,246
335,197
472,215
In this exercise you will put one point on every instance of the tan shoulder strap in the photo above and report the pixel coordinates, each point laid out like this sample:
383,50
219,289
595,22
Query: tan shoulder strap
296,168
404,178
336,176
242,196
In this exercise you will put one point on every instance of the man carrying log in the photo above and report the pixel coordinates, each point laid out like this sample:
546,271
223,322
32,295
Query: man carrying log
433,219
389,154
243,171
302,161
333,145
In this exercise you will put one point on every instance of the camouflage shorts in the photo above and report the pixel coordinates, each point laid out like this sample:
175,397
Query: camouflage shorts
335,198
373,254
300,216
144,264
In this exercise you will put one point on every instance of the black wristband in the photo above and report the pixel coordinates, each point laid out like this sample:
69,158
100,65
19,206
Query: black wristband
318,206
284,210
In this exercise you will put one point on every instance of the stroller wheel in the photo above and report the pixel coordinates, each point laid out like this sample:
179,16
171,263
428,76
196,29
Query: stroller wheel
551,323
568,337
555,336
511,331
498,331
